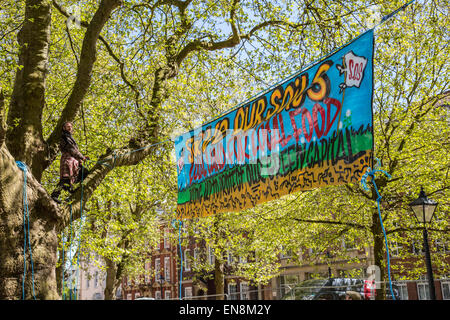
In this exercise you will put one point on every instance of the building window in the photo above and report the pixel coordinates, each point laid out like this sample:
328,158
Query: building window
286,254
158,295
166,239
167,269
244,291
87,281
348,244
230,258
195,256
417,248
211,258
167,295
403,291
394,249
441,246
445,285
147,271
96,279
232,291
188,292
187,260
157,268
423,291
128,296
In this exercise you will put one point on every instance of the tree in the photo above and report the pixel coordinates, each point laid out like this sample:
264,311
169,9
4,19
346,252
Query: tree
144,46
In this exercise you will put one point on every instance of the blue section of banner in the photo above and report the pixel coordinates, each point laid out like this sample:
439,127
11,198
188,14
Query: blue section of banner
315,104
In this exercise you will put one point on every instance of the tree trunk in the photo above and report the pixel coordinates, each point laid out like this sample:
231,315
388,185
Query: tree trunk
219,282
378,250
42,230
24,136
112,283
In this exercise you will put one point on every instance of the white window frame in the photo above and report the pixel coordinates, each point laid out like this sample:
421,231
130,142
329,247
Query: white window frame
187,260
167,269
211,257
196,250
394,248
167,295
244,291
447,284
188,292
230,258
423,289
96,279
232,291
157,268
403,291
158,295
166,239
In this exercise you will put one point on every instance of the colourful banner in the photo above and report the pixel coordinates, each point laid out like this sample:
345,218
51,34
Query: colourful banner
313,130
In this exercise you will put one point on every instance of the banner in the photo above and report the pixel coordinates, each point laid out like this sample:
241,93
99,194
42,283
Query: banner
313,130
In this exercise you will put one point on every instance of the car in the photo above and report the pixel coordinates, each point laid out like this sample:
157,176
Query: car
334,289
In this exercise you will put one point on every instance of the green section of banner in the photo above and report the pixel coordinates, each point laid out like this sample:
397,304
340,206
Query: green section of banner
325,152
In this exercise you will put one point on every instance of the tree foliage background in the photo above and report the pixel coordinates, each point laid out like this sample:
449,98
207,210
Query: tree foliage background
158,68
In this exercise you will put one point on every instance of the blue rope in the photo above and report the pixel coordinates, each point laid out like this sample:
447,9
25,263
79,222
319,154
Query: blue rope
70,248
26,230
81,227
180,223
63,257
371,173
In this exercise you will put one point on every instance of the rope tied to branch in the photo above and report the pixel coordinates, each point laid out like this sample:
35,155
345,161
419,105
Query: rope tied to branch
371,173
26,230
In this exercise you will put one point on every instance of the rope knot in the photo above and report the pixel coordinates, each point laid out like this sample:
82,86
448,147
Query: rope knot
22,166
371,173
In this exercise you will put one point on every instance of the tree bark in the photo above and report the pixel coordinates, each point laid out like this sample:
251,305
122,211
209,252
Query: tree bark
43,235
112,283
24,136
378,250
219,279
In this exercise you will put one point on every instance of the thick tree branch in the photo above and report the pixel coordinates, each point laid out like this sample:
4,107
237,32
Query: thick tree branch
105,164
111,53
353,225
397,230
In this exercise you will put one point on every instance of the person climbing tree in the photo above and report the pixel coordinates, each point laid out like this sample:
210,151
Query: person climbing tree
71,168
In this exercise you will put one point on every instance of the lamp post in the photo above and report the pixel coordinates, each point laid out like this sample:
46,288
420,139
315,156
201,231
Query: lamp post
161,281
423,209
329,268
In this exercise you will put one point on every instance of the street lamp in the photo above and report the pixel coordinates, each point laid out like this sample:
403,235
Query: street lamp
329,268
423,209
161,281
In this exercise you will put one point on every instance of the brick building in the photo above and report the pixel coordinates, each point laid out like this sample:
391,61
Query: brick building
162,273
